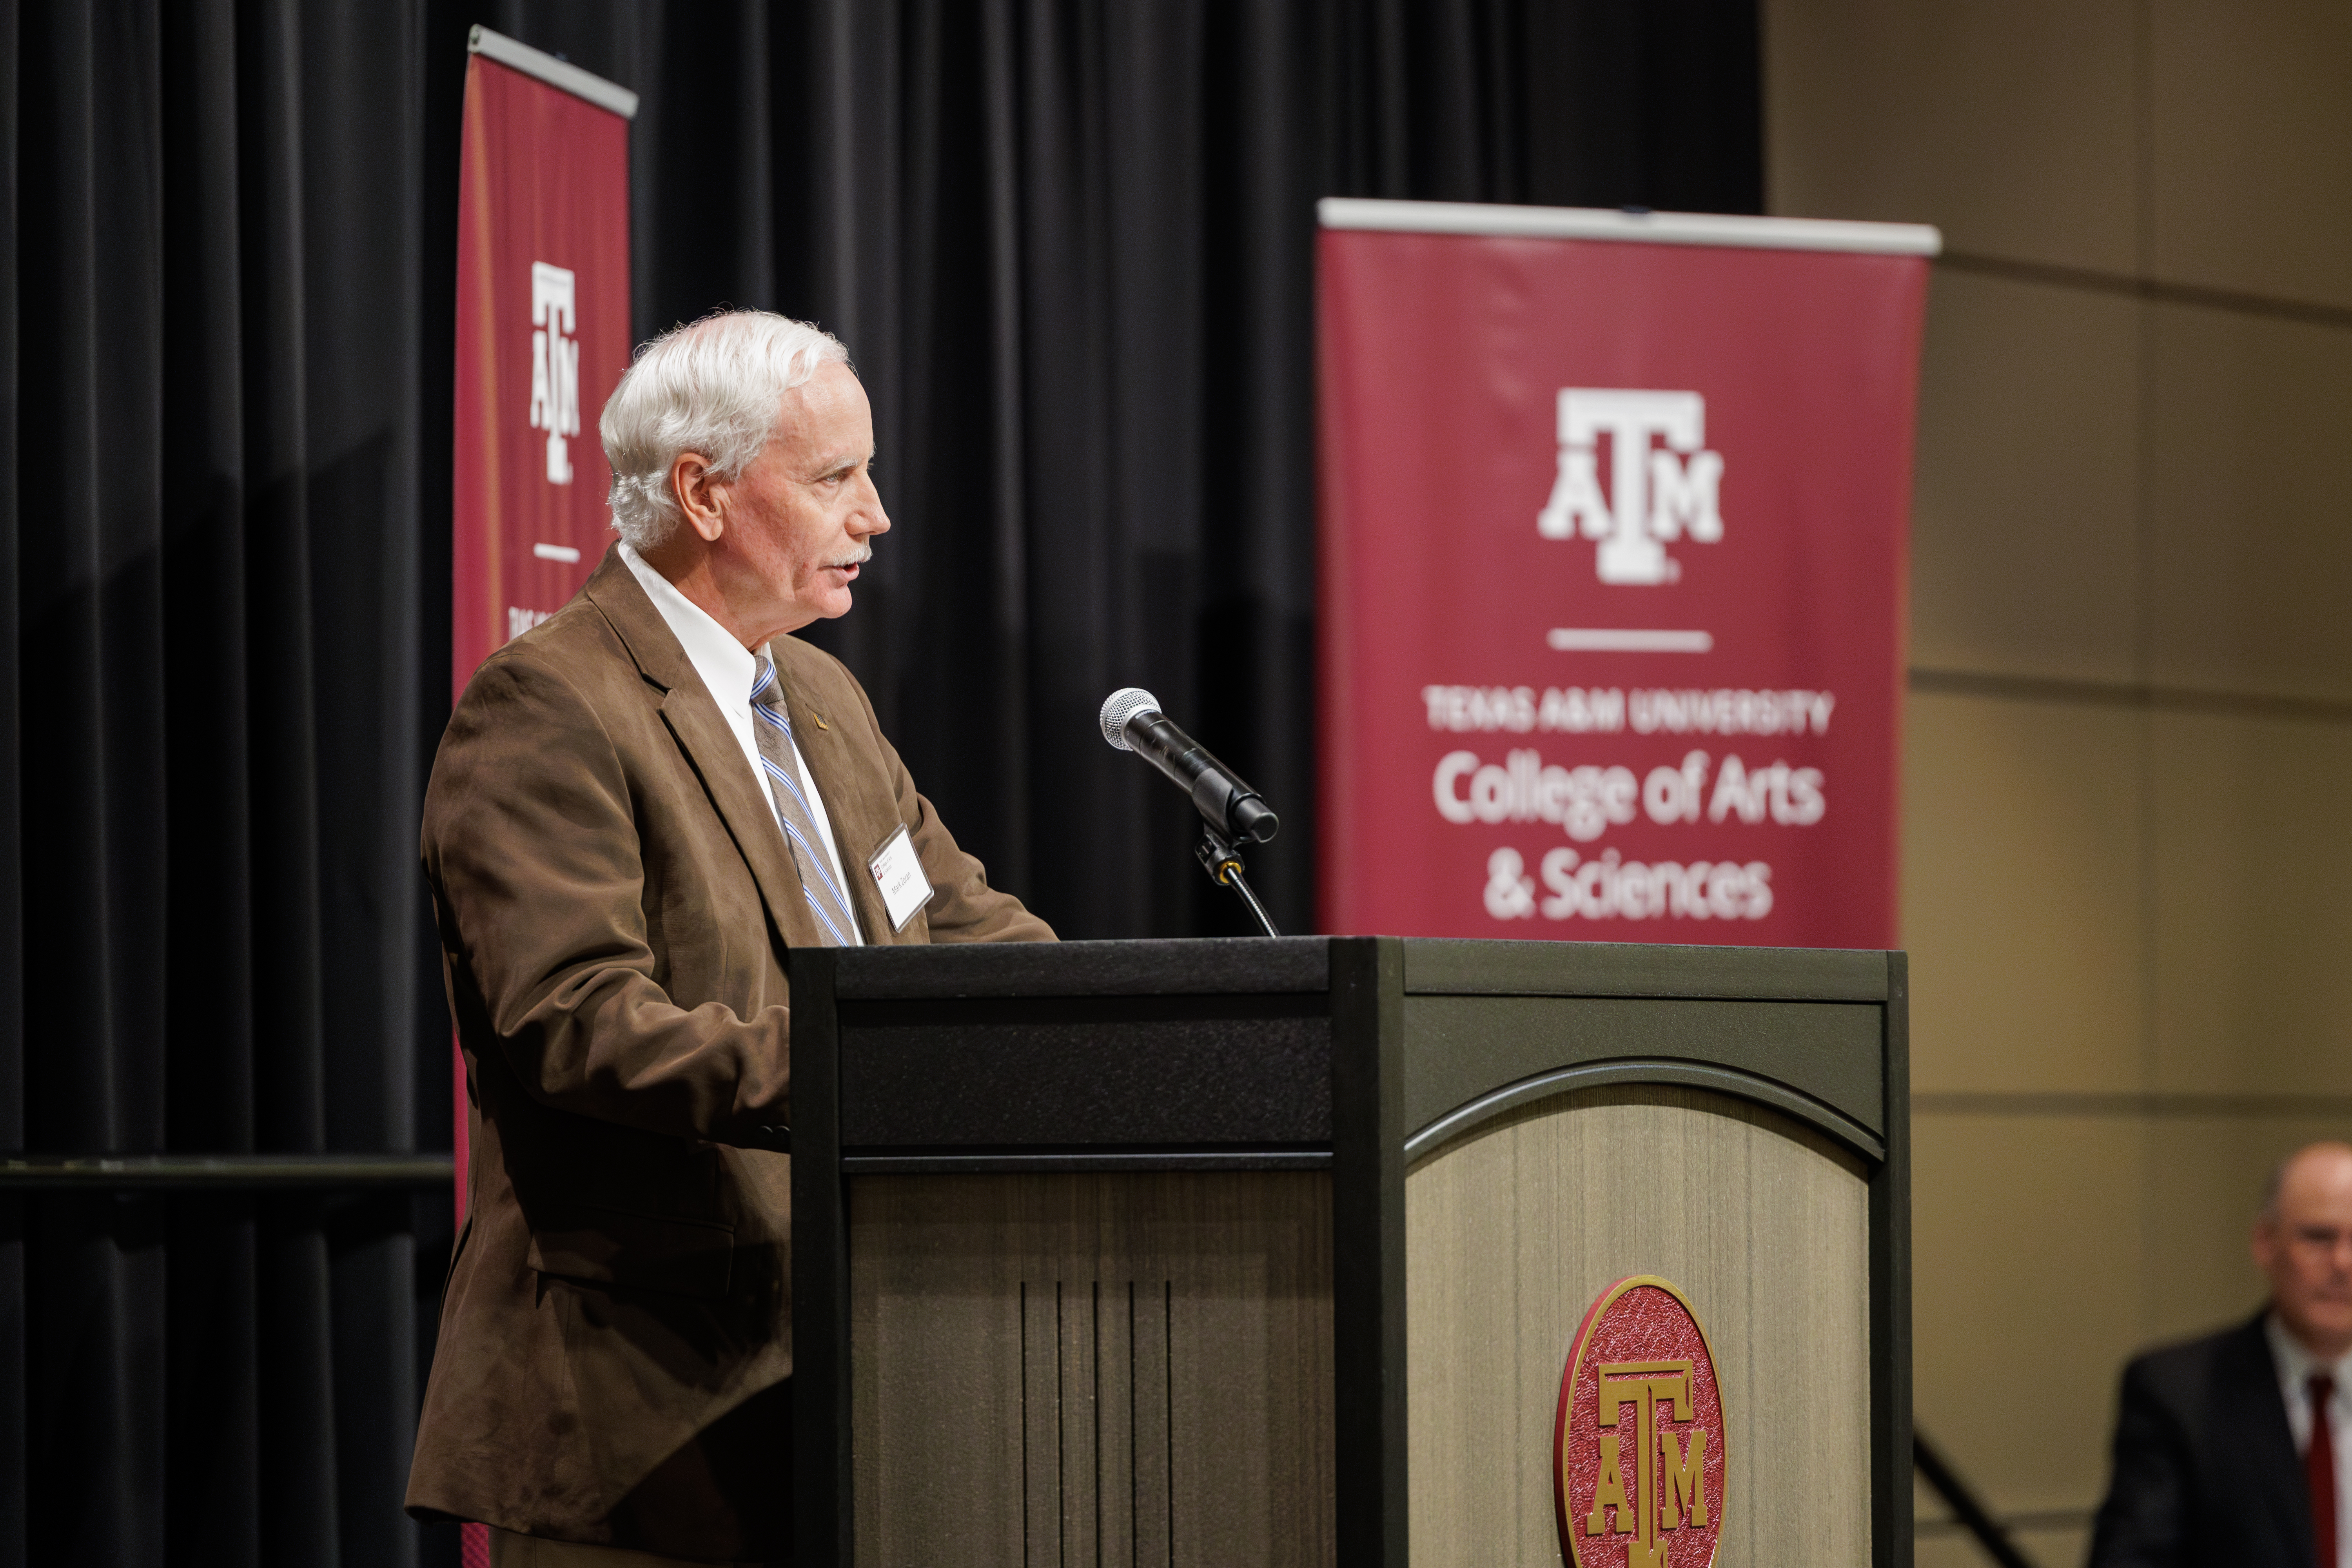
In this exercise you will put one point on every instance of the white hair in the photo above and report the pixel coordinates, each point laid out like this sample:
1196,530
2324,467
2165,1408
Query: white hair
710,386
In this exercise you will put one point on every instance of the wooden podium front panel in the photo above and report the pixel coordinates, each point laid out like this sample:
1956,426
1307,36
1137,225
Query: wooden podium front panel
1513,1230
1091,1370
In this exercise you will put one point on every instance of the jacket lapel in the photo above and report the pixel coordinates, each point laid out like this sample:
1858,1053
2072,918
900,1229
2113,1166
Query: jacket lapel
2249,1400
711,750
862,815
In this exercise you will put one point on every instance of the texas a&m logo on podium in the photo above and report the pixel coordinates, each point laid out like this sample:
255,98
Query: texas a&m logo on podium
1637,1450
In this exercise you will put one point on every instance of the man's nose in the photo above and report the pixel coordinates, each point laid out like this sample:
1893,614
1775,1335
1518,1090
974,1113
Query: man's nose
870,518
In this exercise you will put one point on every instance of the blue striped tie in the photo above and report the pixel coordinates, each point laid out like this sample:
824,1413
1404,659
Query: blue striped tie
773,728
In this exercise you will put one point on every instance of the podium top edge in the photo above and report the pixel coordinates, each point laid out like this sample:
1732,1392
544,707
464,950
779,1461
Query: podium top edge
1434,966
1167,966
561,74
1295,965
1494,220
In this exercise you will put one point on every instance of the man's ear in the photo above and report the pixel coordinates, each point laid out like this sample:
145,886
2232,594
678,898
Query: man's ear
701,495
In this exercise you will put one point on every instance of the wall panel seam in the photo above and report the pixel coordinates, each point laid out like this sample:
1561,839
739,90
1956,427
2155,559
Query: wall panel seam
2159,1106
2129,694
2153,289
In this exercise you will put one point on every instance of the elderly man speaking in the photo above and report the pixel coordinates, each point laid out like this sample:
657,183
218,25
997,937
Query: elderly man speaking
638,808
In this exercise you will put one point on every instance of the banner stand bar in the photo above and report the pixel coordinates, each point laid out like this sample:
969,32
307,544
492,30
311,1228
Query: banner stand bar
555,73
1638,226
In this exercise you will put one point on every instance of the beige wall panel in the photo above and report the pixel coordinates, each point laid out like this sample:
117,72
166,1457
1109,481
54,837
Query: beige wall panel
2253,901
2251,531
1941,1551
1092,1371
2251,123
1512,1232
2009,122
2047,1546
2025,549
2062,1541
2058,1547
2027,1237
2205,1182
2021,894
2050,1548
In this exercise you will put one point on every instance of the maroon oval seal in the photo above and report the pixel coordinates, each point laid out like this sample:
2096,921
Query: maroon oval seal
1637,1450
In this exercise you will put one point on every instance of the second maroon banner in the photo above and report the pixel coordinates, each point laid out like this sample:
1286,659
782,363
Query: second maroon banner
1613,558
542,337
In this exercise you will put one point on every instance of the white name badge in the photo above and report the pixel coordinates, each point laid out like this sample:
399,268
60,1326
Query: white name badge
899,872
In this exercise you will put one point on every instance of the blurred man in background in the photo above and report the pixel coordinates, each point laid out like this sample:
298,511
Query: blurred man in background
2229,1448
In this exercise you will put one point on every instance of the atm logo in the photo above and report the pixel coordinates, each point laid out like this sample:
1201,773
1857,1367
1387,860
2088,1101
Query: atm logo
555,364
1637,1450
1656,494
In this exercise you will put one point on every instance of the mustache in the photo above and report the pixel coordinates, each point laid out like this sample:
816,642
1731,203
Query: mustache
859,557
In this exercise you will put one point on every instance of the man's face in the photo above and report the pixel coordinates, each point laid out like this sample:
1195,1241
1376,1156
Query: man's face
799,516
2305,1248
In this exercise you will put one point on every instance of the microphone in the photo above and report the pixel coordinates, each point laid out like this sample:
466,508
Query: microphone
1132,721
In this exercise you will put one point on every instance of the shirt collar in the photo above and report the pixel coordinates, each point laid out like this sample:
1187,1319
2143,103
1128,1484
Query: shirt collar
726,666
2298,1365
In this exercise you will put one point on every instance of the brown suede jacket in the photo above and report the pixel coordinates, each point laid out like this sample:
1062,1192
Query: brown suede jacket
616,900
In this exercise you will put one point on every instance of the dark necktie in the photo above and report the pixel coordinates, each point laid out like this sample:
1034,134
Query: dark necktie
2319,1472
772,726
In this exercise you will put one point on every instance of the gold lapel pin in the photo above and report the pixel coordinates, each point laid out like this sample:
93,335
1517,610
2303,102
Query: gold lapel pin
818,719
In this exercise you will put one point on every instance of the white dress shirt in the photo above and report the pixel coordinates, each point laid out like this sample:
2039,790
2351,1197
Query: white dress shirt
2296,1366
729,668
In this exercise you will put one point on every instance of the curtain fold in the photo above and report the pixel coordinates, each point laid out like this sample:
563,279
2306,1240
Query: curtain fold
1070,245
216,674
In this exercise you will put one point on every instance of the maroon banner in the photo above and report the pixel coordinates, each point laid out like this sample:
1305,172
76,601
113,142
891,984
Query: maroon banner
542,337
1612,573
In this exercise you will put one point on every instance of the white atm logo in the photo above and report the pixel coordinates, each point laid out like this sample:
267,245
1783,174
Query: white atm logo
1655,496
554,366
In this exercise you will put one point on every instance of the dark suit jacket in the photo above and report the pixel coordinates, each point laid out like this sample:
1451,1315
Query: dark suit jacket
2205,1466
614,900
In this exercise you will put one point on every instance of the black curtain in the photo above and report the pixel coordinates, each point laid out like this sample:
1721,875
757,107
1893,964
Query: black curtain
1070,245
216,714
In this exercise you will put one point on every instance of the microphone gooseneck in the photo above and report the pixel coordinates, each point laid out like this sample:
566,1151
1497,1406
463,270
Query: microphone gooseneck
1132,721
1231,814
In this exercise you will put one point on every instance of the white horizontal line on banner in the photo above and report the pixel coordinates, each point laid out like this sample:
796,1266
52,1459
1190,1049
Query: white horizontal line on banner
555,73
563,553
1641,228
1626,639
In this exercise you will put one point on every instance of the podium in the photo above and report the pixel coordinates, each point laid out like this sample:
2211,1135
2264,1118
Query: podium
1272,1252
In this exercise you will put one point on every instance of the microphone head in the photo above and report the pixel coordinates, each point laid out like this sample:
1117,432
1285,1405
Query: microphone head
1121,706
